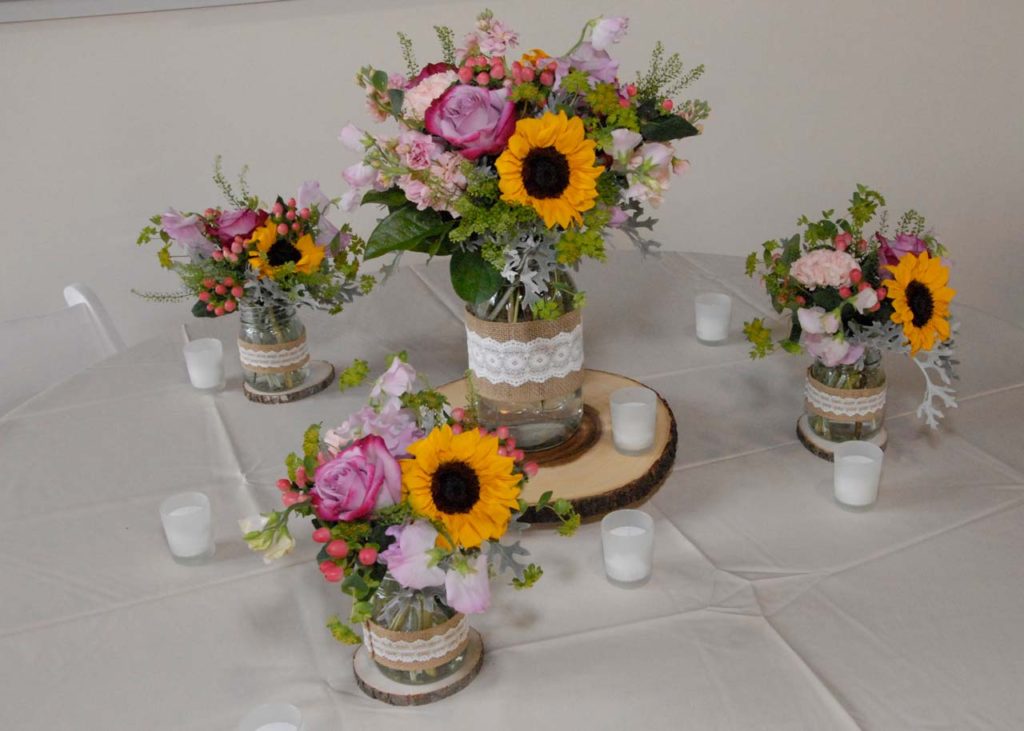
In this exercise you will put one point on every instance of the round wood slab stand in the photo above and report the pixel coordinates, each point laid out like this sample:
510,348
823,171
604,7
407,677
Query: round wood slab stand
321,374
587,470
375,684
825,449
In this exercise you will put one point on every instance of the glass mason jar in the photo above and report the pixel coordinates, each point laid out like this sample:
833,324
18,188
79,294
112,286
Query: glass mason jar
535,424
272,346
865,374
397,609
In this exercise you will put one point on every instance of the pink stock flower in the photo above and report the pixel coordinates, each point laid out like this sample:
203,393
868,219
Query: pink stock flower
361,478
649,173
395,425
417,150
469,593
310,196
624,141
497,38
185,230
474,120
433,81
609,31
832,351
824,268
395,381
360,175
408,558
816,321
353,138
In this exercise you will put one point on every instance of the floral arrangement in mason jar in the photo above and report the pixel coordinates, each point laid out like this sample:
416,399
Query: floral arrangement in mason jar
257,253
850,294
410,500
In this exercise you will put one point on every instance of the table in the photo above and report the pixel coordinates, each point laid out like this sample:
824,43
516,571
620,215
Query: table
770,607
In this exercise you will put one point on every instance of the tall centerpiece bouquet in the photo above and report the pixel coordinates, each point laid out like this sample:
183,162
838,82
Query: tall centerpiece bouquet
410,500
518,167
261,260
850,295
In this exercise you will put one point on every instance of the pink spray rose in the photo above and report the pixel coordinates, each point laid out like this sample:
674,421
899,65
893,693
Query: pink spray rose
362,478
824,268
474,120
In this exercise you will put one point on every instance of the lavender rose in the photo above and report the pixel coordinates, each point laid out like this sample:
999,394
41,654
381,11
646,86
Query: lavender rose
362,478
474,120
237,223
890,252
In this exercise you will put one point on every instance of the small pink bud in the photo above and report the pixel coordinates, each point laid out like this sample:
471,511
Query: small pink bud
237,291
631,89
518,455
876,307
882,293
218,311
368,556
290,215
502,432
284,484
841,246
204,296
217,255
230,305
300,477
456,428
236,248
296,227
322,535
326,565
209,282
231,257
221,290
547,78
209,308
282,229
278,209
855,275
667,105
528,74
502,452
624,103
480,61
483,431
291,203
304,213
510,443
801,300
552,67
333,575
320,458
465,74
458,413
290,498
862,286
498,72
209,213
862,245
227,281
483,78
338,549
531,469
845,292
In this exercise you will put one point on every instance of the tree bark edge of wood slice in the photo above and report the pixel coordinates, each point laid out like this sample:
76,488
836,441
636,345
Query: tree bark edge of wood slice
321,375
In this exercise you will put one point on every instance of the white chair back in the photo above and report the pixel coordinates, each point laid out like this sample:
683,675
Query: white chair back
40,351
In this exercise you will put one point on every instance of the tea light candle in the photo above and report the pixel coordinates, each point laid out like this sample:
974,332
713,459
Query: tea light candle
857,469
187,525
634,416
713,312
272,717
627,542
205,360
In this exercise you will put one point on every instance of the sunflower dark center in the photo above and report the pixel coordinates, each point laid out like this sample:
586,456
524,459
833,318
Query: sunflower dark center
920,302
455,488
545,172
282,252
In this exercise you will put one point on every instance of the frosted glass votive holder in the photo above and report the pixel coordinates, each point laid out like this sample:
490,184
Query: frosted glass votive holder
205,360
634,417
272,717
857,469
187,526
627,543
713,312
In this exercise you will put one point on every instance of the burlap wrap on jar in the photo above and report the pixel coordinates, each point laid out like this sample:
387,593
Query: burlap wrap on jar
845,405
526,362
274,357
418,650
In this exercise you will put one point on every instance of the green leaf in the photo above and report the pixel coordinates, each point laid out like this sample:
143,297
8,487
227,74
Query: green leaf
396,96
403,230
393,198
199,310
379,79
355,586
342,632
473,279
668,127
791,249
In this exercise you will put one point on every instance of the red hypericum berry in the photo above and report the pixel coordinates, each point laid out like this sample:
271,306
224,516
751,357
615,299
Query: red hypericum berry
322,535
237,248
456,428
502,432
296,227
218,311
231,256
339,549
204,296
228,281
875,307
300,476
209,282
502,452
862,286
290,215
483,431
531,469
368,556
209,307
334,575
624,103
552,67
528,74
304,213
209,213
230,305
631,89
217,255
882,292
284,484
801,300
841,246
547,78
667,105
498,72
518,455
510,443
291,203
862,245
326,565
278,209
237,291
483,78
291,498
845,292
855,275
465,74
221,290
458,413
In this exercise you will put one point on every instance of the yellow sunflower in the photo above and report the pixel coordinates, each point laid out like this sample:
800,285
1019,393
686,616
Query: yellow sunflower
921,299
273,250
461,481
549,165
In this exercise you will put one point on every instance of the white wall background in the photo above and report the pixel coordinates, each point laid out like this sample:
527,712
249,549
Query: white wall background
104,121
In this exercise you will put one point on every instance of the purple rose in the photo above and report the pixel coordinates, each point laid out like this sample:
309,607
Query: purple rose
890,252
362,478
236,223
474,120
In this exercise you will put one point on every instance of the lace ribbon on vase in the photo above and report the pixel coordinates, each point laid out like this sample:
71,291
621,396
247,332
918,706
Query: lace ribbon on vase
844,405
275,357
526,361
421,650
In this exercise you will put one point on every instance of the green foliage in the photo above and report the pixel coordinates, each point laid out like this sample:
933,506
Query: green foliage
547,309
490,219
311,444
474,279
401,356
292,462
411,67
446,37
342,632
147,234
577,82
408,229
393,198
664,77
530,93
531,575
667,127
760,338
355,375
586,242
244,199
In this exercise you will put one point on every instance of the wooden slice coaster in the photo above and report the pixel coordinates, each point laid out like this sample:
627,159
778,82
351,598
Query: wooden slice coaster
823,448
375,684
592,474
321,375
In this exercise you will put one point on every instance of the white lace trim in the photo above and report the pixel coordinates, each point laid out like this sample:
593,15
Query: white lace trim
257,359
843,405
416,651
515,363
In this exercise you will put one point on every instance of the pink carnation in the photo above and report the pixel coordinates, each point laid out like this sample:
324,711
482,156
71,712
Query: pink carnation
824,268
417,150
425,89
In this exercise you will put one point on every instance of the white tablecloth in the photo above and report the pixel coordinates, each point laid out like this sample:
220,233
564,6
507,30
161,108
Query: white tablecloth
770,607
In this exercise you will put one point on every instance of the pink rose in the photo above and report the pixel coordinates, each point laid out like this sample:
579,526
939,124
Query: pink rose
362,478
890,252
237,223
474,120
417,150
824,268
